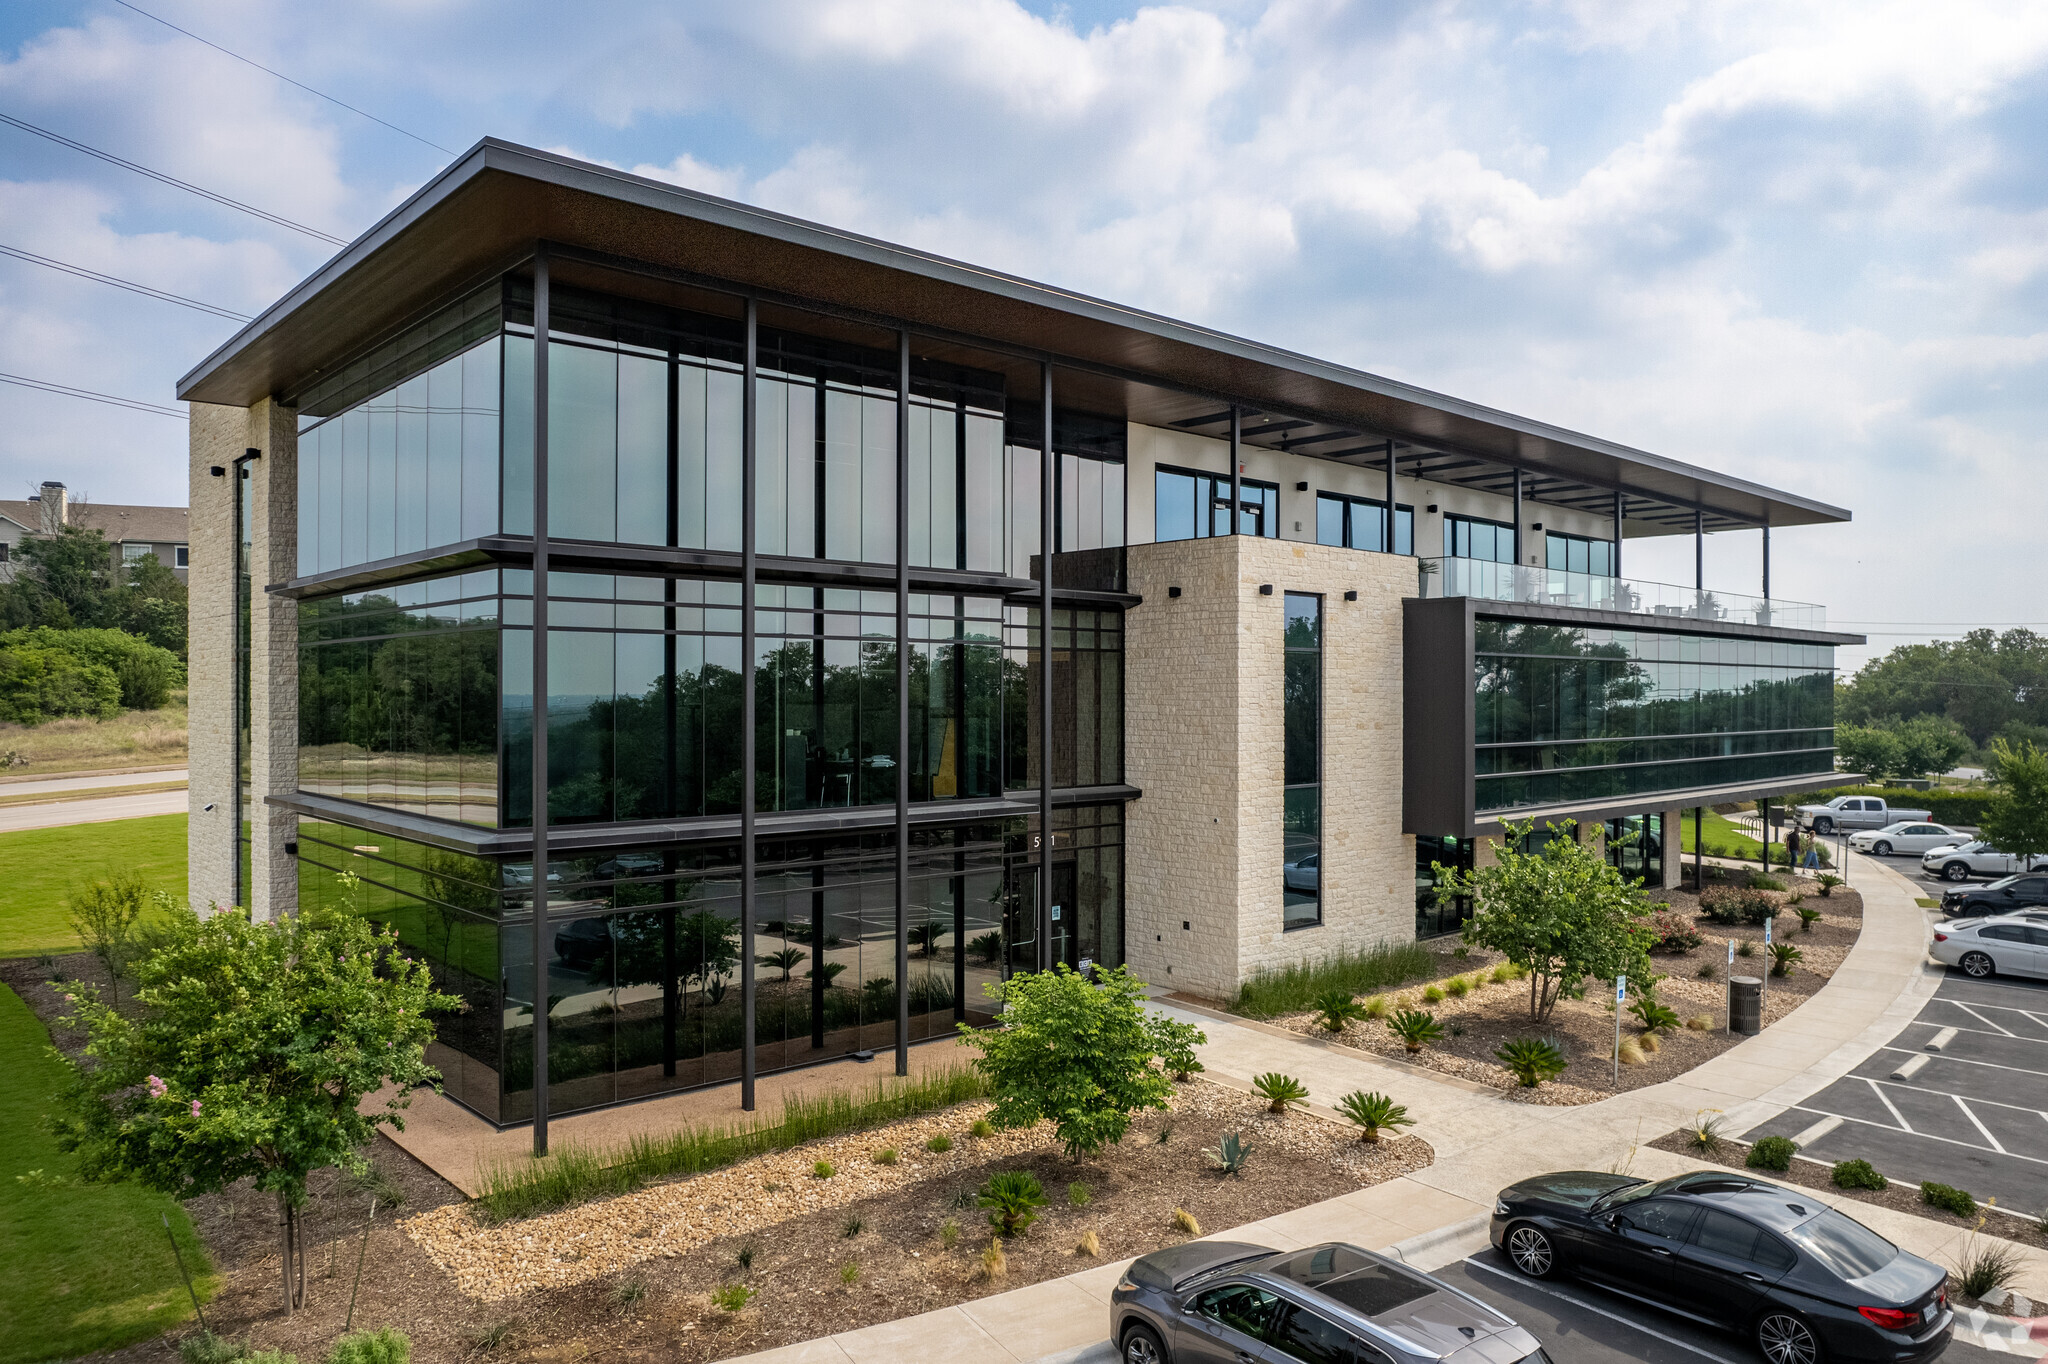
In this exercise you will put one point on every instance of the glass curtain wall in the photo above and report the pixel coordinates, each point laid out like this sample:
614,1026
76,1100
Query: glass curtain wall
1361,523
1436,911
1087,698
1302,821
1578,554
1635,846
1474,537
1572,714
1188,504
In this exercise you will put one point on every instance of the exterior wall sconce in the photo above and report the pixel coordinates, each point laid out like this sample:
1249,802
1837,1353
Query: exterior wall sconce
1265,589
1432,508
1173,592
1535,525
1351,595
1301,487
219,472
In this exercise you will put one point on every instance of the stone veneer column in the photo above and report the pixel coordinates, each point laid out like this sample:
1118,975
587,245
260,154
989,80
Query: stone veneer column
218,436
273,657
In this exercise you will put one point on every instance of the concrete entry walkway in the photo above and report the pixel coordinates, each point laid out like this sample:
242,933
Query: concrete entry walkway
1484,1142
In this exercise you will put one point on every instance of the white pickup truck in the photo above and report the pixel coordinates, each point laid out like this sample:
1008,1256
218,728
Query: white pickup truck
1853,812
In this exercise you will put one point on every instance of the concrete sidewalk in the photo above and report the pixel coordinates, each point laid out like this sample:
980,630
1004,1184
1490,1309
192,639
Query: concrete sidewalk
1484,1142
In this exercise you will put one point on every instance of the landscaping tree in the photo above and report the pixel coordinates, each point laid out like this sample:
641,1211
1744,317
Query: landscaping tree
2017,822
1562,913
246,1055
1076,1054
103,915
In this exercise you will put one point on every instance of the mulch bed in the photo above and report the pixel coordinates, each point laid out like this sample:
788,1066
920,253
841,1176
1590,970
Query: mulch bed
660,1308
1477,1024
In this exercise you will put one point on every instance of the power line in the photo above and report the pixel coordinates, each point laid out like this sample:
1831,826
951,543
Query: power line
60,389
159,176
127,284
281,76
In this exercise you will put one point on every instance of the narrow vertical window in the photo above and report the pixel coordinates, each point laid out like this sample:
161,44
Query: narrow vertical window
1302,822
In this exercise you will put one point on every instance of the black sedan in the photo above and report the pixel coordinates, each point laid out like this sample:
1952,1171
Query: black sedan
1777,1265
2007,895
1226,1302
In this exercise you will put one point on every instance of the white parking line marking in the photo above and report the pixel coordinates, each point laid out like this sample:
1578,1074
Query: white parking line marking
1601,1311
1978,1098
1929,1136
1985,1021
1968,1061
1978,1125
1884,1099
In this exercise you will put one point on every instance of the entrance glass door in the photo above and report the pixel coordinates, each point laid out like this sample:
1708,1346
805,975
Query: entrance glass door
1066,937
1020,921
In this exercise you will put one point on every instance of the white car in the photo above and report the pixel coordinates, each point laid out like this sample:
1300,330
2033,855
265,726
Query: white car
1907,836
1975,858
1304,876
2002,945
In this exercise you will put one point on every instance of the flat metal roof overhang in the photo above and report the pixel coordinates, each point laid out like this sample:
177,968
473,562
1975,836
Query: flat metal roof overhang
482,215
1632,620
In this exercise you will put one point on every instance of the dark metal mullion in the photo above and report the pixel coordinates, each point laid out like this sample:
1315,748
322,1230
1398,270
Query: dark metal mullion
1045,543
540,707
903,703
1387,519
749,779
1236,455
1620,510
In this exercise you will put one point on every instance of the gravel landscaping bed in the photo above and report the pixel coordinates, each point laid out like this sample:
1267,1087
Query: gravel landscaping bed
1477,1023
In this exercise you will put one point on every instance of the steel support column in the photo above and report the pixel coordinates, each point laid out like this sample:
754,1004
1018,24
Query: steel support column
1046,524
1236,467
1620,509
749,777
1388,545
1767,563
240,686
540,701
1699,550
903,703
1518,518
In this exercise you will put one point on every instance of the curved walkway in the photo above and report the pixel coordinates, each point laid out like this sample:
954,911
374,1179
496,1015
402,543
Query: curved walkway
1484,1142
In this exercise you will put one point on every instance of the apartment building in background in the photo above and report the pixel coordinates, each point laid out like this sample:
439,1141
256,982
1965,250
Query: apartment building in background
133,532
818,630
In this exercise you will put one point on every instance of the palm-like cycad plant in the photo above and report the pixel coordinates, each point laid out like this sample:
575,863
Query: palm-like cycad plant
1335,1008
787,959
1532,1060
1374,1113
1279,1091
1416,1028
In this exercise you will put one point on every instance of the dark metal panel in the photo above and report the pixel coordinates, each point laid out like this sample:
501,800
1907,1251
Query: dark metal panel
539,839
1436,716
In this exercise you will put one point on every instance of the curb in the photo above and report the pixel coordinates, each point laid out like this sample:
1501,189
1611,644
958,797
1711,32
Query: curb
1423,1242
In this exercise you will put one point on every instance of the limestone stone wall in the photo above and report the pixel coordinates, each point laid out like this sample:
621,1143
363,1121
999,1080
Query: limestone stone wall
1205,742
274,658
218,437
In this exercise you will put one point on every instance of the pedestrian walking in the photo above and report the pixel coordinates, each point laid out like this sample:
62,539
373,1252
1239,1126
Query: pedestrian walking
1792,848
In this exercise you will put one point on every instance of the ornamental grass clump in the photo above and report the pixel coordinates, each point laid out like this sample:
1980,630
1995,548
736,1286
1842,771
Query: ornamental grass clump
1274,992
1705,1134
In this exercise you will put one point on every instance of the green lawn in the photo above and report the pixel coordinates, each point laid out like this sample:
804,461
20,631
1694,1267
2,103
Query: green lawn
44,864
1725,838
88,1265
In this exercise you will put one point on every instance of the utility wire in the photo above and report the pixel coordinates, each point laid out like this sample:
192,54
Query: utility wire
127,284
135,403
159,176
281,76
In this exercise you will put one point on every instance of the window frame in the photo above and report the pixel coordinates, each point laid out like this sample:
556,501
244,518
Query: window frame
1205,509
1403,527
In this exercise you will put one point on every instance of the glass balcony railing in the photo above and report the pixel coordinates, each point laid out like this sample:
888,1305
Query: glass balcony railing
1490,581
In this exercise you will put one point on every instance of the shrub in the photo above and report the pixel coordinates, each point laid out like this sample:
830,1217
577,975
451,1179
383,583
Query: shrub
1708,971
1416,1029
940,1144
1827,882
48,684
1759,881
949,1232
104,915
1175,1042
1377,1007
204,1347
1089,1245
1432,994
1857,1174
1279,1091
1807,918
1728,905
732,1297
1745,948
1079,1194
981,1127
888,1155
1185,1221
849,1273
1948,1199
1013,1198
1293,989
1532,1060
1076,1054
1374,1113
1457,987
1337,1008
822,1169
1654,1017
1772,1153
852,1227
1706,1130
1783,955
387,1346
1230,1154
1675,933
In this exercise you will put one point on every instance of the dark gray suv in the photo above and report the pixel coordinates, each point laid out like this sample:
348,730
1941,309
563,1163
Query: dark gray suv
1226,1302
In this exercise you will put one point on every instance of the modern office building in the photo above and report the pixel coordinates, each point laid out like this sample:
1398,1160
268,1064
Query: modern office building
831,628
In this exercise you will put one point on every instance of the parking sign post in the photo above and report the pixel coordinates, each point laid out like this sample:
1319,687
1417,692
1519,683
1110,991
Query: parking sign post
1620,996
1730,1029
1764,1008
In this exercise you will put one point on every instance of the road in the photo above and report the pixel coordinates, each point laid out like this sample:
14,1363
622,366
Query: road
55,812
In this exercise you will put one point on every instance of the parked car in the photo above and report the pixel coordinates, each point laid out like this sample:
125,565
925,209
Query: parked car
2008,945
581,942
1975,858
2003,896
1226,1302
1906,836
1799,1279
1303,876
1853,812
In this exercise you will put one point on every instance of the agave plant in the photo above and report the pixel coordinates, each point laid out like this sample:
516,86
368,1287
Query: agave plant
1279,1091
1230,1154
1416,1028
1374,1113
1532,1060
1653,1016
1013,1198
1784,954
1335,1008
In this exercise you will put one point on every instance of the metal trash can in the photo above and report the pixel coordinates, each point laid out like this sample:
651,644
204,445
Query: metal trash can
1746,1005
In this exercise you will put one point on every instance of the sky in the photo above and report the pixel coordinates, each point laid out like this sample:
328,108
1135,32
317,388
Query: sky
1806,244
